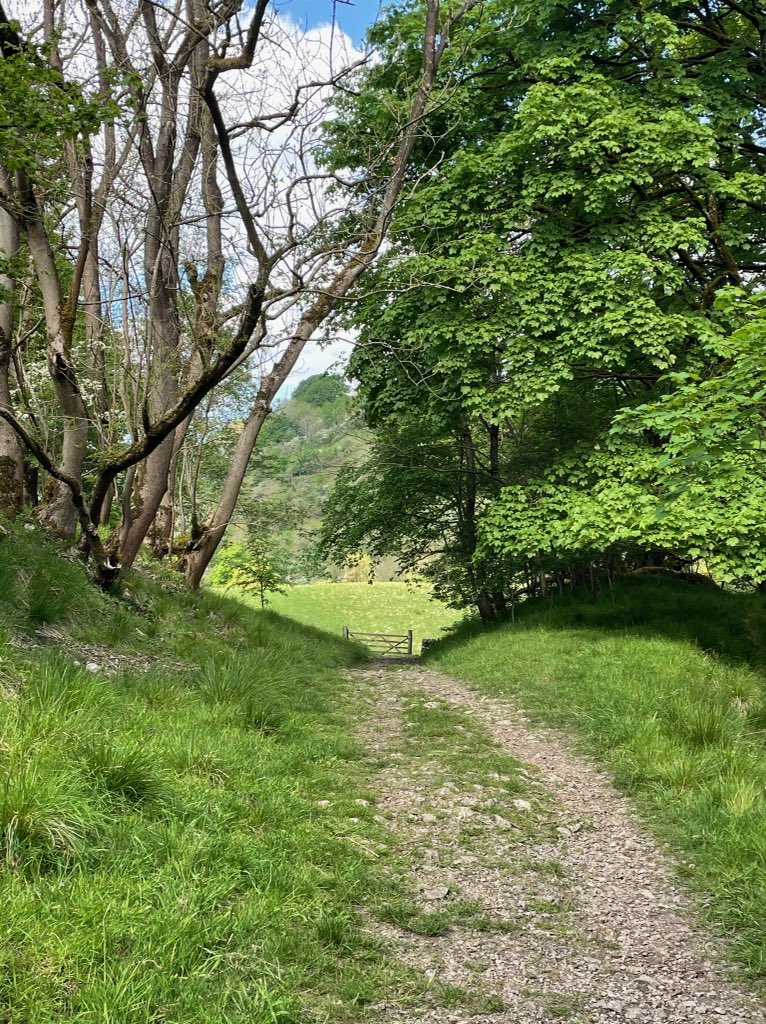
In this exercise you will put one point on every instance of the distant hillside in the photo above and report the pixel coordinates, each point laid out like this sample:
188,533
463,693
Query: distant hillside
302,446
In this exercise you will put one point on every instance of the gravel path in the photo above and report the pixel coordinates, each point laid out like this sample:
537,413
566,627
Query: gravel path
586,923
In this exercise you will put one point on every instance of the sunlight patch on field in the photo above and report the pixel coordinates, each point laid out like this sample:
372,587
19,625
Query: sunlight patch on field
376,607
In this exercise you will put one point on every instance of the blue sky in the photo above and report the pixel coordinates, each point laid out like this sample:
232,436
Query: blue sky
352,19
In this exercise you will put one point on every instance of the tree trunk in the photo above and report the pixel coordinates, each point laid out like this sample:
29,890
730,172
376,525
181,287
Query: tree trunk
160,535
31,483
11,460
169,181
198,558
485,606
106,508
161,284
11,463
467,529
60,513
146,501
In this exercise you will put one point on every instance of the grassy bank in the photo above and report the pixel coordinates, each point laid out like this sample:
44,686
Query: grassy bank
376,607
663,684
180,833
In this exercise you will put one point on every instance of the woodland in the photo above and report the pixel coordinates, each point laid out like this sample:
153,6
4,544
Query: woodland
542,223
537,230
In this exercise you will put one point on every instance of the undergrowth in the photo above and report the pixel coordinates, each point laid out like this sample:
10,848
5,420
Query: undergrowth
180,839
663,682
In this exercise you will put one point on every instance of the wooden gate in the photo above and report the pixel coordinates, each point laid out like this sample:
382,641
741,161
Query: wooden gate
383,644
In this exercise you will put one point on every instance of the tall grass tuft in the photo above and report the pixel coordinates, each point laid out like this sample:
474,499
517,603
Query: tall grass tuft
46,817
124,768
45,598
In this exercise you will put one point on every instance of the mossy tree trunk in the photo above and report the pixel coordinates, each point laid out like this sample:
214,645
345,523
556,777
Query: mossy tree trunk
11,462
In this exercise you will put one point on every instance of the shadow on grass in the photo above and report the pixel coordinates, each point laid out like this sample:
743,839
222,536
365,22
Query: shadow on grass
267,625
731,625
346,652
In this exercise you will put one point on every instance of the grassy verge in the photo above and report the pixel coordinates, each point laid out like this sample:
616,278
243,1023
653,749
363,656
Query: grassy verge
664,684
182,834
376,607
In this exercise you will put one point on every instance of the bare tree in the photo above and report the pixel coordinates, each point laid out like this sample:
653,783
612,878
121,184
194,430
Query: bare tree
239,247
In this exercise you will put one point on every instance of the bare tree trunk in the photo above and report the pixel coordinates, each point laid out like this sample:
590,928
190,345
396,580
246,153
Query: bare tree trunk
163,388
206,291
147,500
126,504
93,321
11,460
161,285
160,535
106,508
169,182
60,513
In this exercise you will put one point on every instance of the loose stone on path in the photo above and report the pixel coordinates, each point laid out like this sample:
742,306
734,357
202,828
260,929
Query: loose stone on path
586,925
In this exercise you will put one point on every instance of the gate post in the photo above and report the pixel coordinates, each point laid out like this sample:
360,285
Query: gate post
345,632
409,643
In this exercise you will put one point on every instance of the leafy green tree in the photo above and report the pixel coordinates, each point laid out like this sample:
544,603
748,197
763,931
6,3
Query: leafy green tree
249,568
720,414
321,389
593,185
278,427
417,497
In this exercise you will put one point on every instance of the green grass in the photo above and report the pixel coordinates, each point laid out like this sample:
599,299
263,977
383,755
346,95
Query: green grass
180,837
376,607
565,1007
664,685
436,730
456,914
182,832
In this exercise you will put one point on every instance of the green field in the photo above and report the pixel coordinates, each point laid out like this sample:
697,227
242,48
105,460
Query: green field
368,607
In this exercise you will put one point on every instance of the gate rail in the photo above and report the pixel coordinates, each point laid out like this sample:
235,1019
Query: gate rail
383,644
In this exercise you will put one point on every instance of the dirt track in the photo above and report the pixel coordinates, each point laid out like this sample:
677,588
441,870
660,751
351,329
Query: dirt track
580,919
